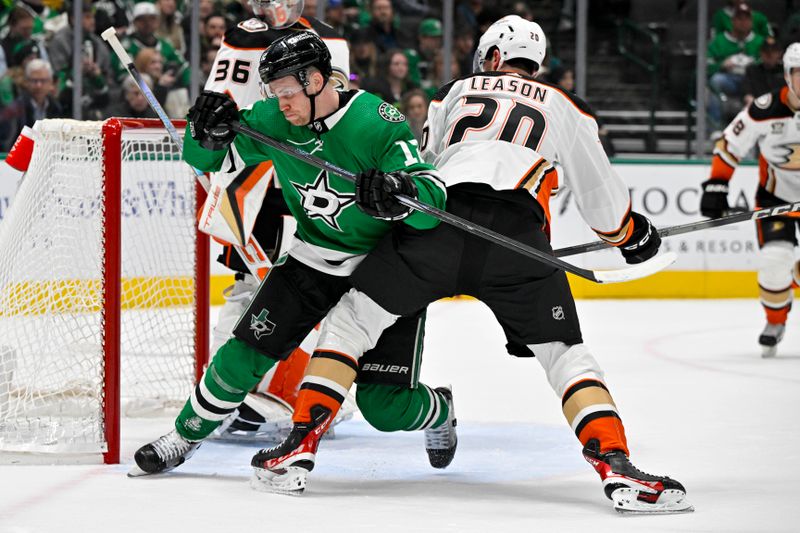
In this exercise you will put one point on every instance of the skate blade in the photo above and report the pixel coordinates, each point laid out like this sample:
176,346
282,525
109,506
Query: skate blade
292,482
626,502
768,352
135,471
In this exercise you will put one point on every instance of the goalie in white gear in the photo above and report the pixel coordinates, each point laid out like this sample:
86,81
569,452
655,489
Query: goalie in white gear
266,412
768,122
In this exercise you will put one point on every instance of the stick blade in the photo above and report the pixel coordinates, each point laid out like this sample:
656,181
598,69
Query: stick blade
642,270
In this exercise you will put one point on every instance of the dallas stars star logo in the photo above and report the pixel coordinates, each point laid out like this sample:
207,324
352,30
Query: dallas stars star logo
320,201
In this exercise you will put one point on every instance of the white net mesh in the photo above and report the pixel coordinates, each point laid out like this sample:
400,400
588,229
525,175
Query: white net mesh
51,279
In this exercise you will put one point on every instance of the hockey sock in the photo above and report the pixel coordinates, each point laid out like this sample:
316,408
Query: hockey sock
592,414
328,377
398,408
235,369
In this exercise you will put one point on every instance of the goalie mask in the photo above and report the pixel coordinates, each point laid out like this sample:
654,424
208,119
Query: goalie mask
515,38
278,14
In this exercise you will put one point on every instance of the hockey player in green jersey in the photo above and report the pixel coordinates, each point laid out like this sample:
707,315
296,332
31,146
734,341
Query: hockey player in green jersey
354,130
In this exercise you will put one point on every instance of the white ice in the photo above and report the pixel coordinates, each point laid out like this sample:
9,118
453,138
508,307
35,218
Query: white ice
698,402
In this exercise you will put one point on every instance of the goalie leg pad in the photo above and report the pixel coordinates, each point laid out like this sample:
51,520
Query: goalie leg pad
237,296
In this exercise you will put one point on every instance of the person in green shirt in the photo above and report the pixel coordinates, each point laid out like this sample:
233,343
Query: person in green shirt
353,130
729,54
722,20
145,25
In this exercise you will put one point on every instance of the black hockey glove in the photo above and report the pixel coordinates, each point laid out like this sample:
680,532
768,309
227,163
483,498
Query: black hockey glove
714,202
210,120
375,193
643,242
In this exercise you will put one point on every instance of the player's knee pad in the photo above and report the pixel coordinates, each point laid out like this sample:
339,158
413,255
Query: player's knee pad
354,325
776,263
566,364
237,296
384,407
240,366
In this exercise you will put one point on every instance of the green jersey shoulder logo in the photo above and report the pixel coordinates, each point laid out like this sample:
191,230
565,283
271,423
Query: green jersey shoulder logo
319,200
260,325
390,113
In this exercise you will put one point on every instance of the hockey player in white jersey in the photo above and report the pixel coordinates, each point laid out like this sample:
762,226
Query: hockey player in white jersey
770,122
266,413
493,135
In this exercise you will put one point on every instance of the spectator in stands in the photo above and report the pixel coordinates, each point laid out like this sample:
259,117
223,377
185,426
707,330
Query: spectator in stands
363,55
166,87
94,51
309,8
437,77
393,79
790,30
133,103
145,24
335,17
414,106
41,13
464,48
169,25
206,7
429,42
36,102
722,20
729,54
20,28
467,13
765,75
384,30
111,13
214,27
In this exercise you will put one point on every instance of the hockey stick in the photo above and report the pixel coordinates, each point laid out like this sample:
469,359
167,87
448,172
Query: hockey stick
641,270
692,226
256,258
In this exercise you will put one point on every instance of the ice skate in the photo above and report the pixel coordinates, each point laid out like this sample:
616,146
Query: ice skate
769,339
441,441
284,468
162,455
631,490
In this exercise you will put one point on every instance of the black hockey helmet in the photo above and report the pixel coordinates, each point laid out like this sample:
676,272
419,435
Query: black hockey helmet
292,55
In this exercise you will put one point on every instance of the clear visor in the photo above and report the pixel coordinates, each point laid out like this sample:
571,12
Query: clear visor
281,88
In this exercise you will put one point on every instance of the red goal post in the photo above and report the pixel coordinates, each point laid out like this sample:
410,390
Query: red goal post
103,289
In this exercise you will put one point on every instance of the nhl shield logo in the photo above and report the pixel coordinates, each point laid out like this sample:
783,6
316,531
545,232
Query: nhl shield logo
260,325
389,113
558,313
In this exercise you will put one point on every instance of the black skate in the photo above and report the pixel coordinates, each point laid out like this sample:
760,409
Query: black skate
441,441
162,455
284,468
769,339
631,490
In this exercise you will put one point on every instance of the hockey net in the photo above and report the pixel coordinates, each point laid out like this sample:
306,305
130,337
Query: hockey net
103,287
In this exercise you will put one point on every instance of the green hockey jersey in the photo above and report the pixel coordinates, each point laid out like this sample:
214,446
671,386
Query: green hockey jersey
364,133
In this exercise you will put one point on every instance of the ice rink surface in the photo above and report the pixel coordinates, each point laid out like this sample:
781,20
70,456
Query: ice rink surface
698,402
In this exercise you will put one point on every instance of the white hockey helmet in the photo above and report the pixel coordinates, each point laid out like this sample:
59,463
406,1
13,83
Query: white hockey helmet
278,14
791,59
514,37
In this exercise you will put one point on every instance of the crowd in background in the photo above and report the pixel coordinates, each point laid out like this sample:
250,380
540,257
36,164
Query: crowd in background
396,52
744,58
395,45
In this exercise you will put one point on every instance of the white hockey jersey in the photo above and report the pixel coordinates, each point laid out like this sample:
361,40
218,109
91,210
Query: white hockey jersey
771,124
235,69
495,127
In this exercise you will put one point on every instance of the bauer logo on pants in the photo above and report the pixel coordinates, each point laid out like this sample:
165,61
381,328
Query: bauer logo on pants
260,325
